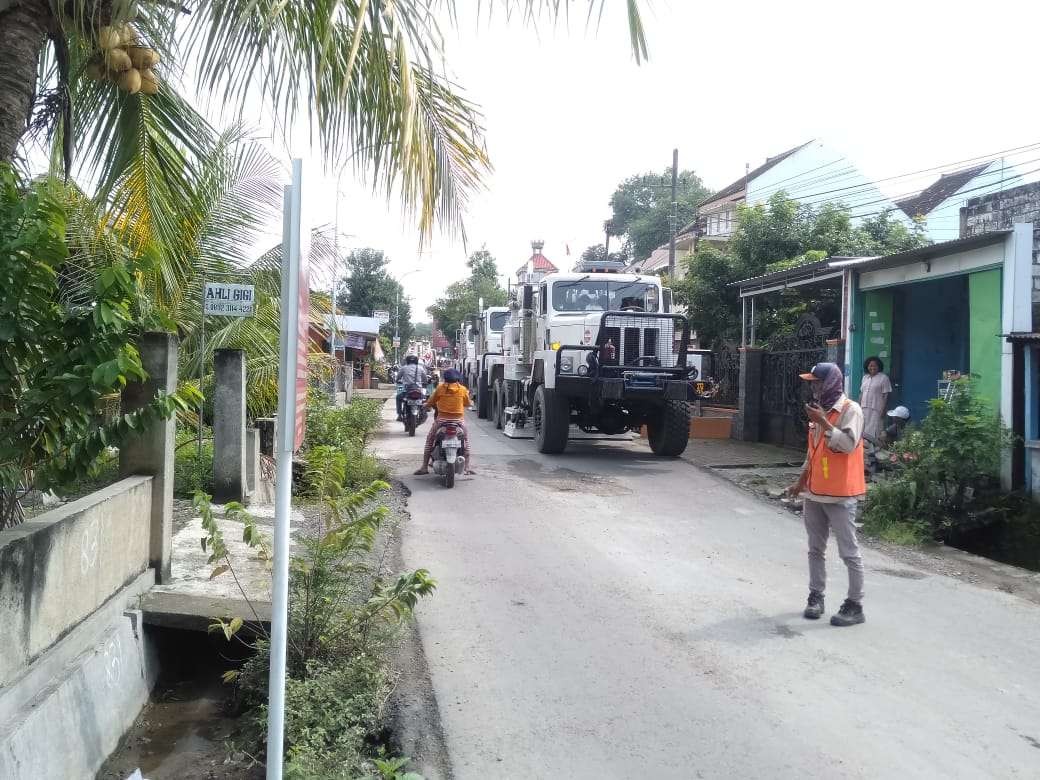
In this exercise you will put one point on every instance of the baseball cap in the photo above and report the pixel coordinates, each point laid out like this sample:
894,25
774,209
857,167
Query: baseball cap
815,374
901,412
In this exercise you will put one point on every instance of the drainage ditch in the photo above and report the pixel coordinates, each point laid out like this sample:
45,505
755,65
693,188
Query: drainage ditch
190,727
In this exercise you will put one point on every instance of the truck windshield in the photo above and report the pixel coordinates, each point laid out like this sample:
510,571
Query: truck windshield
586,295
498,320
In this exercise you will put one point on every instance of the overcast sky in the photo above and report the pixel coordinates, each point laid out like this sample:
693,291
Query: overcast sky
893,86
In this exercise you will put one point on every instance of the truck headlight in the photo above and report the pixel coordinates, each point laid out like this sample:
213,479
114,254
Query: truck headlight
566,365
583,370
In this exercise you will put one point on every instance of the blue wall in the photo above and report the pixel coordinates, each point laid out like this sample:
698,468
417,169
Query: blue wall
931,334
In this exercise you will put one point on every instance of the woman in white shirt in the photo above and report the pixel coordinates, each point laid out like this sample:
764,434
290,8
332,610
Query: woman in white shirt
874,391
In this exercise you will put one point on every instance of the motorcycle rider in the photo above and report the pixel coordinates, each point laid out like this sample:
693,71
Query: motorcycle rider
450,399
411,373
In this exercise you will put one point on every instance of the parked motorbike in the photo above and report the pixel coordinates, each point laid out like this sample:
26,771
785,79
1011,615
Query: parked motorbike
414,411
448,458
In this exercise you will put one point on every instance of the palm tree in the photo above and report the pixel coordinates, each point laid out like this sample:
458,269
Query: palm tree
217,219
366,73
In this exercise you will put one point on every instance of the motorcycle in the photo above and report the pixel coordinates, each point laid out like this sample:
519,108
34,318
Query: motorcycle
414,411
447,459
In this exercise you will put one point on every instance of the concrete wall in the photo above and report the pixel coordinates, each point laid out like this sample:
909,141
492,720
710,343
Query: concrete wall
984,291
74,668
1000,211
67,712
943,222
58,568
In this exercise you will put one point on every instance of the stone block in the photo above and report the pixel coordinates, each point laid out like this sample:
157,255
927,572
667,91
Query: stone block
229,425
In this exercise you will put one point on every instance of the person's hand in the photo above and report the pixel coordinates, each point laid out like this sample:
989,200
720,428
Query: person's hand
792,491
815,414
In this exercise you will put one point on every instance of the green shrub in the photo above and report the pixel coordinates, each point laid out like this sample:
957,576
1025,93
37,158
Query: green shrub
890,512
192,472
343,614
336,426
945,465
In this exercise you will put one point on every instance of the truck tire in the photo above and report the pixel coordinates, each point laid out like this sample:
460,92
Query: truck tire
483,396
551,418
669,433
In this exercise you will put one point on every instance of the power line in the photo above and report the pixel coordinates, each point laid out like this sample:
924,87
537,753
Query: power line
872,184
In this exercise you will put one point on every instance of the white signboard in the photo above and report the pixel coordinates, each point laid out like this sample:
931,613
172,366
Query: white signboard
381,315
230,300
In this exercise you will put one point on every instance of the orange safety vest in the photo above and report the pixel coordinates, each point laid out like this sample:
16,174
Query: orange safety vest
835,473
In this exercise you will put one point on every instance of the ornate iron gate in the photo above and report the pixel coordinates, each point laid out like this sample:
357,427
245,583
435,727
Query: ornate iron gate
783,393
725,369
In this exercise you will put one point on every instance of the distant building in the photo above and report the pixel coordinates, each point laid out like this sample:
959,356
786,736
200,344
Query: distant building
537,265
810,172
937,207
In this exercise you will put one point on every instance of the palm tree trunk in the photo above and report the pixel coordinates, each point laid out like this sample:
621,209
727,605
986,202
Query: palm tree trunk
23,32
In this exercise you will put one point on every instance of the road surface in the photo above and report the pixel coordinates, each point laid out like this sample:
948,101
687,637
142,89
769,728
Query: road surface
609,614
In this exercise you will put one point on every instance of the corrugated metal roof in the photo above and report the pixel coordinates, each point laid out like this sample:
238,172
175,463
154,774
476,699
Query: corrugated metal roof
925,253
787,273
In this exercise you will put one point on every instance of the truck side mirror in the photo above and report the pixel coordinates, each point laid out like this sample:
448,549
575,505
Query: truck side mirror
528,302
666,300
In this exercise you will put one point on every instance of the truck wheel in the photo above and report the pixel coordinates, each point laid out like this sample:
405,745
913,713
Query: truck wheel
499,404
669,433
483,396
551,415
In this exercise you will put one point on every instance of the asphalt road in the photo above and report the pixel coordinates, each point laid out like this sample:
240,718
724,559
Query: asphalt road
609,614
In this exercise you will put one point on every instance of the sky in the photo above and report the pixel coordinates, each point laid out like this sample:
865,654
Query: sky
893,86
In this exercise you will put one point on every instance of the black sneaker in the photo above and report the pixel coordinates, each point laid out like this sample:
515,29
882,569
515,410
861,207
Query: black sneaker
850,614
814,608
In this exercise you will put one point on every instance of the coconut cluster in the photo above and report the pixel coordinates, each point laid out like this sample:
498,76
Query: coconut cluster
124,60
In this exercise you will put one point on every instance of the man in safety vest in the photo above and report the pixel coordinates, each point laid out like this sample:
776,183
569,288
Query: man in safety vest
830,483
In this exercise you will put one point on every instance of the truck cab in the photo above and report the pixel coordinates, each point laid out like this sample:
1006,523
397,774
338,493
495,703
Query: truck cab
490,324
596,350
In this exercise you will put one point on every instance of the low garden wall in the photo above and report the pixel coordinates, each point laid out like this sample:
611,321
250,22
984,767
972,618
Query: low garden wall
60,567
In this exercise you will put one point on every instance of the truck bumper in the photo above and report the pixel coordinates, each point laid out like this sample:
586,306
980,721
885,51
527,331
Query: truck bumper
603,389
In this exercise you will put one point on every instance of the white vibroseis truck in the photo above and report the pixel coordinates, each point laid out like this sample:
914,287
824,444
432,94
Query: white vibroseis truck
599,351
486,362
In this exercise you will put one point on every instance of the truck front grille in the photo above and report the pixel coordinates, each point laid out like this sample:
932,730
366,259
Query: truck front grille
639,337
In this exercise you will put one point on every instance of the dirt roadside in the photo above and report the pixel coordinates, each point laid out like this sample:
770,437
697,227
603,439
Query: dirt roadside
767,484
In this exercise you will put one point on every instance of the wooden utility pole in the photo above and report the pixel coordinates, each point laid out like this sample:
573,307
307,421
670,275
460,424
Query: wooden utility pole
675,213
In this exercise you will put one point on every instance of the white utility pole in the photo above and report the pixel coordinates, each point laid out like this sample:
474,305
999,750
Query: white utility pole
285,445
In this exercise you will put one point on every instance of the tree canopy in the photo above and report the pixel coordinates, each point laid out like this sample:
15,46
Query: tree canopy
368,287
598,253
641,209
771,237
462,298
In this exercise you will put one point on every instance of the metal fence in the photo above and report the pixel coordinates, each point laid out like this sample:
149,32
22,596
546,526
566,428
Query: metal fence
725,370
783,394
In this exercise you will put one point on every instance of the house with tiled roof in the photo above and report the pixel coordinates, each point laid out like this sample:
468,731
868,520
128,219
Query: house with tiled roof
937,207
811,172
537,265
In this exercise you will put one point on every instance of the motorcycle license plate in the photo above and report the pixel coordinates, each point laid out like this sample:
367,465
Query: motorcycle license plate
453,443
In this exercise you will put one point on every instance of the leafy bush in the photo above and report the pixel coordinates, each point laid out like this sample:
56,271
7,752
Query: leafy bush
67,340
946,464
345,429
192,472
342,616
890,510
336,426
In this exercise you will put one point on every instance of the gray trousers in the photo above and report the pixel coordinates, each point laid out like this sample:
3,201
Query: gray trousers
820,520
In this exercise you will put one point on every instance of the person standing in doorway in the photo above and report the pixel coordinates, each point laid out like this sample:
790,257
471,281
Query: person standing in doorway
830,484
874,390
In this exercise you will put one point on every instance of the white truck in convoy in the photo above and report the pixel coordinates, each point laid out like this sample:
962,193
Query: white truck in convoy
599,351
486,355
